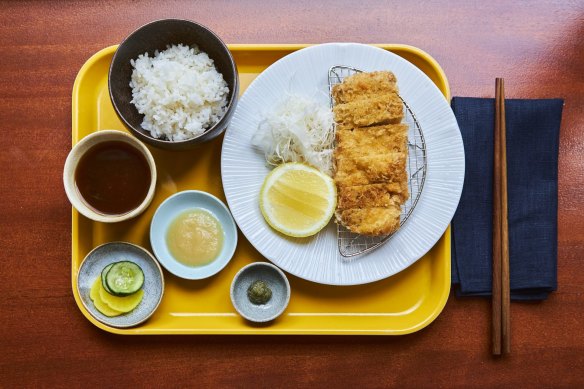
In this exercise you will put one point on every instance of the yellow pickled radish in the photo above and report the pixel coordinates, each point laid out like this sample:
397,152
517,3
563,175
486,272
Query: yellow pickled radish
122,304
102,307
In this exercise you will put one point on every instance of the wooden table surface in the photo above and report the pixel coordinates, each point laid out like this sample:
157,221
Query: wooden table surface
538,47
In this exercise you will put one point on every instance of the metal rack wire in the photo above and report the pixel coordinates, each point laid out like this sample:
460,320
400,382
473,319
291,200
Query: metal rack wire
351,244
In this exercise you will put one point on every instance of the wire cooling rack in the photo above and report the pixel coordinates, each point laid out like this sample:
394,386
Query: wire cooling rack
351,244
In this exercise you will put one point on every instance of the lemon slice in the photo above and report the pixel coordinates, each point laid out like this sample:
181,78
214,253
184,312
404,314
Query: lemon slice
298,200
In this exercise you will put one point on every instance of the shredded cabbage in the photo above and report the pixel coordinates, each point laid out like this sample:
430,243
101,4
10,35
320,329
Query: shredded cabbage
298,129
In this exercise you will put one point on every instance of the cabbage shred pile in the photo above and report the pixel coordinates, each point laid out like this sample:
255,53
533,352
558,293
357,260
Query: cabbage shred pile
298,129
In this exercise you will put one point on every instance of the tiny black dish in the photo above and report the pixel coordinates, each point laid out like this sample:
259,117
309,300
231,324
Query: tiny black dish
158,35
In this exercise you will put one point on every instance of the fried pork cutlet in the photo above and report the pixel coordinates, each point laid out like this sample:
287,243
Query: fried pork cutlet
373,221
373,195
370,153
379,109
372,140
361,85
370,169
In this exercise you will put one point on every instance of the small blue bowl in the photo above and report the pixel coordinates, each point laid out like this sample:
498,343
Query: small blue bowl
277,282
174,206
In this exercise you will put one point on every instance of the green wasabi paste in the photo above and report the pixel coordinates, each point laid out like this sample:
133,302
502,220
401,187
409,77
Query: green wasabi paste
259,292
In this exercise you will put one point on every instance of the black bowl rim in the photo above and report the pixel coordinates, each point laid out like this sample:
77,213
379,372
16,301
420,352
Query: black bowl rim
230,103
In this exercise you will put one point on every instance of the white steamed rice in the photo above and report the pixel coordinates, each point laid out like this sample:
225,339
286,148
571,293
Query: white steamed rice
179,91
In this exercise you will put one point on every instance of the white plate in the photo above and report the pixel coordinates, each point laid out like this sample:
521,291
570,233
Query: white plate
317,259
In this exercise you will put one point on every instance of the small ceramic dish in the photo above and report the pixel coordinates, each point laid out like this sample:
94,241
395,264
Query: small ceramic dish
75,156
276,281
174,206
108,253
155,36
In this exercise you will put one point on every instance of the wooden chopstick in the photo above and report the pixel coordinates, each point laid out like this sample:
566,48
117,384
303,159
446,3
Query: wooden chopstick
501,287
505,280
496,293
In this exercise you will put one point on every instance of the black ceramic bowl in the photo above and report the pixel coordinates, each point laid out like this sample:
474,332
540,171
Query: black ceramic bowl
157,36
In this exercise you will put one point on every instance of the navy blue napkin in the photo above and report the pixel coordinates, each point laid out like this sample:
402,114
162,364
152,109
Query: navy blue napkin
532,188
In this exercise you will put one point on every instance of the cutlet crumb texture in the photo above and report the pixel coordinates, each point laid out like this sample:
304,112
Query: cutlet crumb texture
370,153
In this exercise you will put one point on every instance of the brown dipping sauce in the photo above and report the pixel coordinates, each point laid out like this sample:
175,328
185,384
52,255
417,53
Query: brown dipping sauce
113,177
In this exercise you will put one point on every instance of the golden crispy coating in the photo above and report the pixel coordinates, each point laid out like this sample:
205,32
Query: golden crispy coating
370,153
370,169
362,85
372,221
373,195
376,110
372,140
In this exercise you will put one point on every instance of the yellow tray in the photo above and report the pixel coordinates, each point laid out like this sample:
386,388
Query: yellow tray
401,304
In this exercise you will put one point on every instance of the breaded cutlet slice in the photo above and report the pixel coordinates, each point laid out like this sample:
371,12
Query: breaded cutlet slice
370,169
372,140
372,221
361,85
391,127
373,195
376,110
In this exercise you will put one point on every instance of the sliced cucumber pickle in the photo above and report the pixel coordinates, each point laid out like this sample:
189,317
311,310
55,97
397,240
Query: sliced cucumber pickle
124,278
103,274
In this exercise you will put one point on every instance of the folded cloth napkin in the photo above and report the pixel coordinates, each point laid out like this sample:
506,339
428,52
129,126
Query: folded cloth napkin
532,189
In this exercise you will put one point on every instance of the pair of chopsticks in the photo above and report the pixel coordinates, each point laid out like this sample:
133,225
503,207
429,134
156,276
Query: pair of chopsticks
501,286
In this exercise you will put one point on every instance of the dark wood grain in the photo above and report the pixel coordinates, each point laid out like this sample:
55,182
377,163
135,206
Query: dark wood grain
45,341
